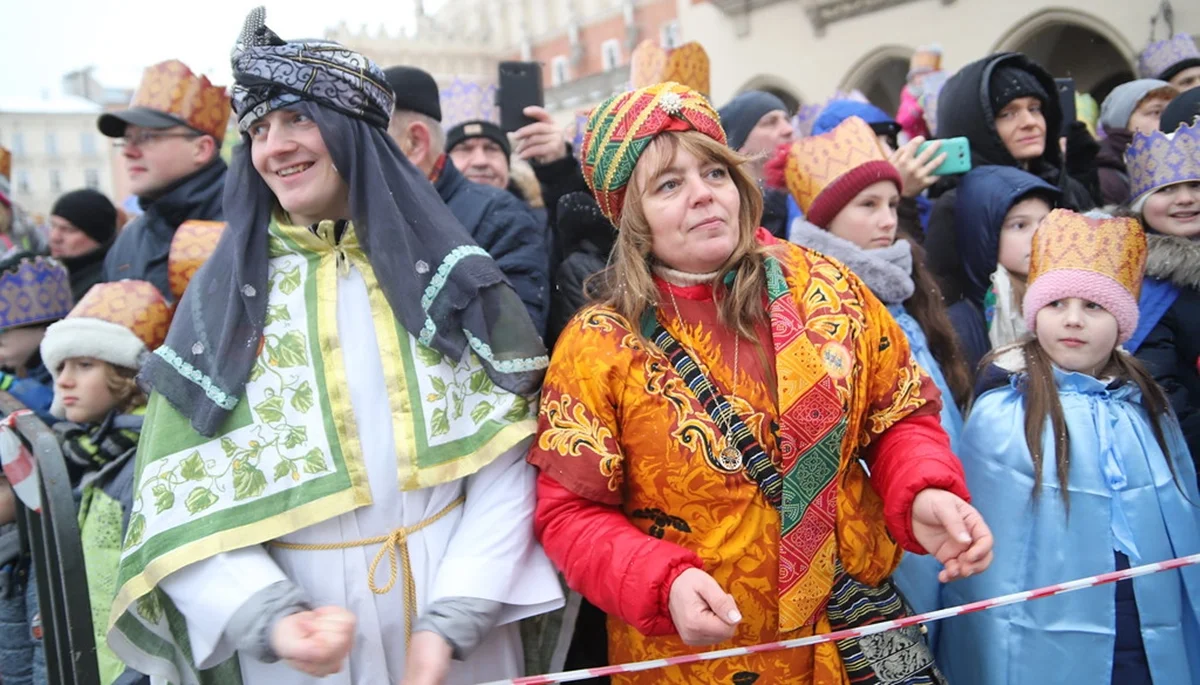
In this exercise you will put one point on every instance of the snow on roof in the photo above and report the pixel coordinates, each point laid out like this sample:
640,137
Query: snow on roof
55,104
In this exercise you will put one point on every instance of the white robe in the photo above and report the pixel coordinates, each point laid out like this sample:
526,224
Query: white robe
483,549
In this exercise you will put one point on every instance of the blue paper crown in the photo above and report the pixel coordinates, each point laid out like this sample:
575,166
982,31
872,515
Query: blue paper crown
465,100
1158,159
1164,54
35,291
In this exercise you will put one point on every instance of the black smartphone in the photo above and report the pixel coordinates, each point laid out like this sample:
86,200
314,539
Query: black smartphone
520,87
1066,101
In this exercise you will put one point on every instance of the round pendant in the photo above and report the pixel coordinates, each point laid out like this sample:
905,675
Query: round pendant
730,458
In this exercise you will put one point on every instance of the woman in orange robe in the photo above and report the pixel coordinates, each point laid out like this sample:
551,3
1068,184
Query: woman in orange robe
703,430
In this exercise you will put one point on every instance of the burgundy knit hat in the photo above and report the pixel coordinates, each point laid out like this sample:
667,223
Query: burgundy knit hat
824,173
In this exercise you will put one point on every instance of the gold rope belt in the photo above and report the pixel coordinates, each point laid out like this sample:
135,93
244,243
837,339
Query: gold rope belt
393,541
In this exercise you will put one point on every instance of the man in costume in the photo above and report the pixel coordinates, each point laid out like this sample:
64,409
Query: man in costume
496,219
348,379
171,143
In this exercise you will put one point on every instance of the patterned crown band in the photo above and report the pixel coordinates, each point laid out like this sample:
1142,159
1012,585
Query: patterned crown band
1161,159
171,87
1160,56
136,305
1112,247
270,73
622,127
465,99
193,244
36,291
687,65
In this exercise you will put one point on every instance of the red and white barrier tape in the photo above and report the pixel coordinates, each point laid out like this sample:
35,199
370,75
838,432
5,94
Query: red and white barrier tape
1015,598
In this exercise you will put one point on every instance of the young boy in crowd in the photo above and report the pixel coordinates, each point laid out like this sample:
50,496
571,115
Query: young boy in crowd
94,355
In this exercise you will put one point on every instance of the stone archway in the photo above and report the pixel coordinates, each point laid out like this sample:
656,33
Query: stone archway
880,75
1074,44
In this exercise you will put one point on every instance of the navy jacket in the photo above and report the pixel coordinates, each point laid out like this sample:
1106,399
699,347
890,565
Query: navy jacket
508,230
141,248
963,249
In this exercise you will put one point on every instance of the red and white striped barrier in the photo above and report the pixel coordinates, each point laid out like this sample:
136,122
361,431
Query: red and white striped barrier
1015,598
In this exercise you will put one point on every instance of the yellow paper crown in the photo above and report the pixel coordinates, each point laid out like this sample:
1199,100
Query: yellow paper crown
816,163
192,245
171,87
927,58
136,305
5,163
1112,247
687,65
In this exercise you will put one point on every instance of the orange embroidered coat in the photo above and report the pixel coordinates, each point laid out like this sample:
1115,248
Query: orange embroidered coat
632,490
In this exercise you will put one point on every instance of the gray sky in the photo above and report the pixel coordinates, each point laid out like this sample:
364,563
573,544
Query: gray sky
43,39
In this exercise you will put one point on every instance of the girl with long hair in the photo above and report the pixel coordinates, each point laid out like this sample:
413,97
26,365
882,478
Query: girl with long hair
1086,471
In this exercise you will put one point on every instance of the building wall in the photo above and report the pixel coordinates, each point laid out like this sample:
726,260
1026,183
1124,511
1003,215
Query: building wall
777,45
79,152
609,24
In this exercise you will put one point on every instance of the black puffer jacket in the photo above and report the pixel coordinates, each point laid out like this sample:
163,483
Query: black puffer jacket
964,109
1171,351
587,240
141,249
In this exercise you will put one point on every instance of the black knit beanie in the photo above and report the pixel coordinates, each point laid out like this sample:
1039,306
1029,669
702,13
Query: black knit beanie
90,211
1009,83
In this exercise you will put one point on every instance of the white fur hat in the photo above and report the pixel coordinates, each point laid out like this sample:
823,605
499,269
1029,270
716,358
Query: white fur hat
118,323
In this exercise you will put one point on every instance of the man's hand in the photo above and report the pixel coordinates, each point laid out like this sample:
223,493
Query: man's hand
541,141
704,614
428,659
315,642
953,532
916,171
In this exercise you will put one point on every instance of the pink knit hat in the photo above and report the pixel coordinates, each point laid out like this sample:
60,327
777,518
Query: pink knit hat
1101,260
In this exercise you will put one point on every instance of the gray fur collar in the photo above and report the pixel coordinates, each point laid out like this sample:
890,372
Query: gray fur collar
1174,259
886,271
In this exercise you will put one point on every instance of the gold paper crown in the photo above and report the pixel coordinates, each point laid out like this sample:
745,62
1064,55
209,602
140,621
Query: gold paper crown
171,87
687,65
136,305
5,163
927,58
1112,247
815,163
192,245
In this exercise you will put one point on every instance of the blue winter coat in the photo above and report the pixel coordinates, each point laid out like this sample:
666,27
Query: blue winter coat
1124,498
508,230
917,575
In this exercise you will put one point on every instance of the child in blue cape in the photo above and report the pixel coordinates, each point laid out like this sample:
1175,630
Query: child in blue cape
1081,468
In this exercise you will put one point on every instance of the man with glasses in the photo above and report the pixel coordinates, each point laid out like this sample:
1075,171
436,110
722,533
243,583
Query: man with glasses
170,141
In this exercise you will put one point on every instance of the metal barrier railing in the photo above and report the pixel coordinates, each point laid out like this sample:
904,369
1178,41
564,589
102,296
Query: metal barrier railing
56,553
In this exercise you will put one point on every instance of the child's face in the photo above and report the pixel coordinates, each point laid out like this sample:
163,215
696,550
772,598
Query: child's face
1016,234
869,220
1077,334
82,387
1175,210
17,345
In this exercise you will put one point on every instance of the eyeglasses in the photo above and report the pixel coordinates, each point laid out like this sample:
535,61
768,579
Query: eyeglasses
143,138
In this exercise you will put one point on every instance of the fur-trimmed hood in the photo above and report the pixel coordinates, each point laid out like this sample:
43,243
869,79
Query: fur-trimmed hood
886,271
1174,259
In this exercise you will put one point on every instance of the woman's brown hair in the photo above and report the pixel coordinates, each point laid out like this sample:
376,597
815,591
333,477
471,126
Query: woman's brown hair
1040,391
928,307
627,285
